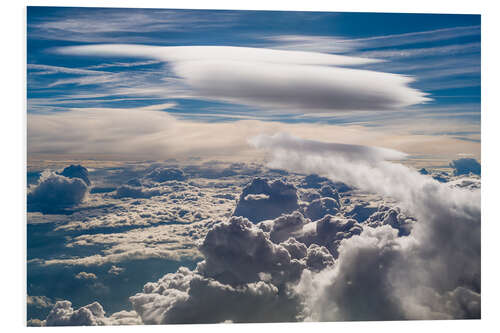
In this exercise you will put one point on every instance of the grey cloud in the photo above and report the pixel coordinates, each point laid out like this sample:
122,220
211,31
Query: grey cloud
360,211
321,207
359,286
187,297
54,193
165,174
247,269
63,314
243,270
318,257
285,226
127,191
237,251
316,181
441,176
391,216
411,277
275,198
77,171
39,301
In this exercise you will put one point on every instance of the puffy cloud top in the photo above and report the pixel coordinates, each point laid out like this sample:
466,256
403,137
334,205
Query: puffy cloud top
161,175
261,200
237,251
77,171
63,314
321,207
55,192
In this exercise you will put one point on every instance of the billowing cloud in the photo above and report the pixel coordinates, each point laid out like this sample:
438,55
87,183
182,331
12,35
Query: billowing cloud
137,192
55,192
242,266
165,174
63,314
76,171
187,297
261,200
419,276
290,80
320,207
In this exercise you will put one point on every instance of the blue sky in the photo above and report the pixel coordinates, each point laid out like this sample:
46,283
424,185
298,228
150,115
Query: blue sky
440,52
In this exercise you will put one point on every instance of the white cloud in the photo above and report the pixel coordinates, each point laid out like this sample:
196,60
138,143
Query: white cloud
63,314
415,275
283,142
291,80
86,276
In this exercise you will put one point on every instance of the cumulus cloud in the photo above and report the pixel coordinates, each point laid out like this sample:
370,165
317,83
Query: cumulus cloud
55,192
305,81
187,297
464,166
39,301
242,266
63,314
165,174
391,216
250,269
262,200
360,211
76,171
116,270
86,276
416,277
290,267
321,207
137,192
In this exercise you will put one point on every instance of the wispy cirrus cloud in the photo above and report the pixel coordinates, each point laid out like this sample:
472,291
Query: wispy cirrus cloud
105,24
341,44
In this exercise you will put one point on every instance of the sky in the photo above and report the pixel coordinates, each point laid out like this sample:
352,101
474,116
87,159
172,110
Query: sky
405,81
285,166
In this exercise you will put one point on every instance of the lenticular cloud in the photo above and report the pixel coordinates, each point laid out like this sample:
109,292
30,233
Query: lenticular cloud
278,79
432,273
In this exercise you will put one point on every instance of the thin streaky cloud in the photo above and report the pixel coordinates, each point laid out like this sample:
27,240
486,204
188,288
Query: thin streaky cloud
49,70
423,52
125,64
342,44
